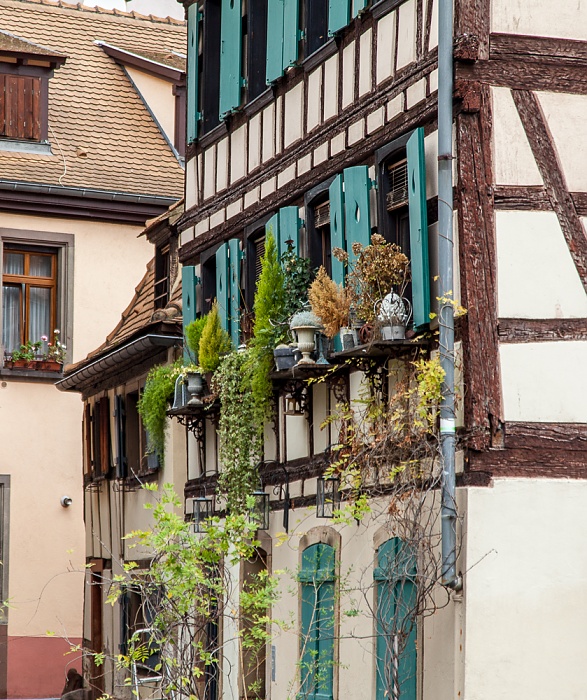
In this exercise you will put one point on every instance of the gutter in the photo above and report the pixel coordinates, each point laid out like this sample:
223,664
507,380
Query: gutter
448,507
130,351
86,193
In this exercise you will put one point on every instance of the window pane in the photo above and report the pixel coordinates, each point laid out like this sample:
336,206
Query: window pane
39,313
40,266
14,263
11,318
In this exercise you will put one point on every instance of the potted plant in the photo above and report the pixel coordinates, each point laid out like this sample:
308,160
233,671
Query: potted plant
305,324
393,314
380,269
332,305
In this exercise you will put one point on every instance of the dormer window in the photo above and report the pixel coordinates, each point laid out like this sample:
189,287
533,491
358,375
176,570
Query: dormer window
25,70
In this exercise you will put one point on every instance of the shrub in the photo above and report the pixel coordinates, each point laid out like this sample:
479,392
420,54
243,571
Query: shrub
214,342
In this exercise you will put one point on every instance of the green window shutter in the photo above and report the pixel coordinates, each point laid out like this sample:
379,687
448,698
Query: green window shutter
396,598
356,207
188,301
230,56
339,15
120,417
418,229
223,286
289,229
192,74
317,575
272,227
291,32
274,60
234,251
337,233
358,5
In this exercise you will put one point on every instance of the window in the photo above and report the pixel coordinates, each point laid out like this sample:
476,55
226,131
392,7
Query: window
22,107
316,23
210,79
97,437
137,457
317,205
255,249
317,578
29,295
395,608
256,48
403,213
162,276
37,294
137,615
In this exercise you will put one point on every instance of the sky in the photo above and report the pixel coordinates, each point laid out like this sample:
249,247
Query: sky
160,8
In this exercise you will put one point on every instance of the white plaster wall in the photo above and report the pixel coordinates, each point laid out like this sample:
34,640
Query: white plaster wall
544,382
158,94
385,47
539,18
513,160
565,115
294,115
536,276
406,37
525,590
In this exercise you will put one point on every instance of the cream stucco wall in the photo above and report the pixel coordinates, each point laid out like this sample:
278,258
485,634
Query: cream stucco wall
539,18
41,437
536,276
525,590
158,94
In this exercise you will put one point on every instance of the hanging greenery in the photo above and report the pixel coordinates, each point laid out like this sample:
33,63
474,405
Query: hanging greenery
298,276
240,433
152,406
214,341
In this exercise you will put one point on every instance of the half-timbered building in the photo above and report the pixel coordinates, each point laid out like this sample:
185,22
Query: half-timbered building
318,121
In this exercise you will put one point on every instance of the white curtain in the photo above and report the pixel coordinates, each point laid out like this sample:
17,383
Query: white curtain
11,317
39,313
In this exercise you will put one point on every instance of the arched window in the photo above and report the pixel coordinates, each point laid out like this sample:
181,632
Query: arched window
395,605
317,578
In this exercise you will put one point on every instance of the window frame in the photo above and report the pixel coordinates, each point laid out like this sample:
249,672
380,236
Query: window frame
250,277
64,246
311,198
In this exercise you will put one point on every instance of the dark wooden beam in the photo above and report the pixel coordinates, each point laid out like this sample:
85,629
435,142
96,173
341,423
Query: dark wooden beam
472,18
478,274
538,48
545,463
543,147
532,198
524,330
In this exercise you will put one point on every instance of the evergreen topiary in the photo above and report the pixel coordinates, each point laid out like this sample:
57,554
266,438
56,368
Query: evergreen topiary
214,342
193,333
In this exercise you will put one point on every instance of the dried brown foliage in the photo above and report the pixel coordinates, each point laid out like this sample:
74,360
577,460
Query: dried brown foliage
330,302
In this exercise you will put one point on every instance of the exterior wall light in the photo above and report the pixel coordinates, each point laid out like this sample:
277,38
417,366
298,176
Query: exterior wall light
260,512
327,496
202,511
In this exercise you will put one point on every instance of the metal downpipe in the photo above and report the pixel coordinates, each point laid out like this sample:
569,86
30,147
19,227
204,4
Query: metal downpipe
446,313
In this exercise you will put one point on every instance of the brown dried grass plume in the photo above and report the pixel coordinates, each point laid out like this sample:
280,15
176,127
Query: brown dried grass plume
330,302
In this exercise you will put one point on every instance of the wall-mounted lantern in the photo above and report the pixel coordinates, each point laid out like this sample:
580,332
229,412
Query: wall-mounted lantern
260,512
202,511
327,496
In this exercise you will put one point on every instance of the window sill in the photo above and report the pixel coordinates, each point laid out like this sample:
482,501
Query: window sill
259,102
15,146
214,135
325,51
31,374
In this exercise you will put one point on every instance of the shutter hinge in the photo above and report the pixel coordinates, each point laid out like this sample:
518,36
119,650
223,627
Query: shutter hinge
301,34
374,184
244,82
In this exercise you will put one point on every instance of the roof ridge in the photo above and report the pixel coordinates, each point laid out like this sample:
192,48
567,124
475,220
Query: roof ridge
103,11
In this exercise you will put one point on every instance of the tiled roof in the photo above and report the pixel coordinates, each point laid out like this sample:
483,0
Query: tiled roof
12,43
101,134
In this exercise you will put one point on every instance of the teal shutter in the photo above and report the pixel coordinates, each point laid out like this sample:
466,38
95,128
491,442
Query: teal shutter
192,74
337,226
272,227
396,599
356,207
223,285
317,576
358,5
339,15
274,60
418,229
234,251
188,301
291,32
288,230
230,56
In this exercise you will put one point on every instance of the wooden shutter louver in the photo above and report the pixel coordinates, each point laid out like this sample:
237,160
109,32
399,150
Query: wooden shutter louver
230,56
223,285
188,298
397,176
322,215
104,436
234,266
259,253
419,261
193,115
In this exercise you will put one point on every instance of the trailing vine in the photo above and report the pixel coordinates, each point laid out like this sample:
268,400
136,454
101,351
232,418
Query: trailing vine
240,433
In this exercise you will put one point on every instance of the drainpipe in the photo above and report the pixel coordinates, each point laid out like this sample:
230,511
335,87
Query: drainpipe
446,313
